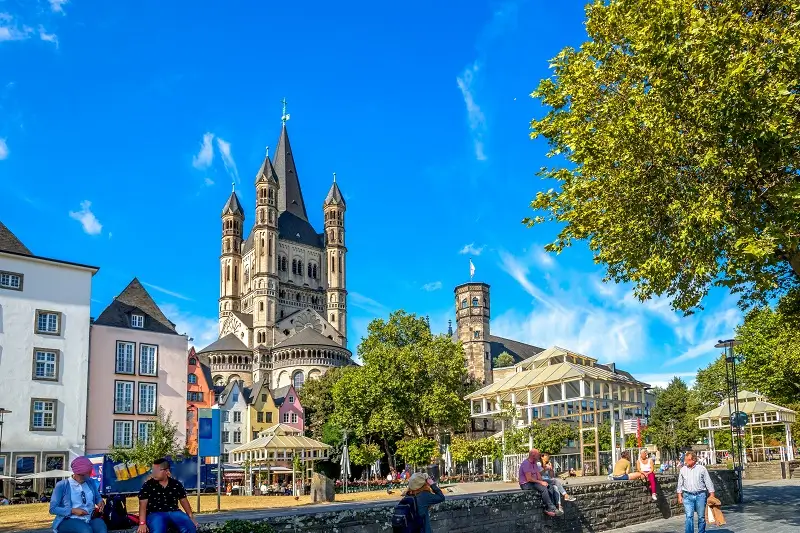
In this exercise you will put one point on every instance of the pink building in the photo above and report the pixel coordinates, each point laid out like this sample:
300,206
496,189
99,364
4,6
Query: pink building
290,411
137,363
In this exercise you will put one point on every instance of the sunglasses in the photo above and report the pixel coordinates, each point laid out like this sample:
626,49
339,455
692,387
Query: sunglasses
83,497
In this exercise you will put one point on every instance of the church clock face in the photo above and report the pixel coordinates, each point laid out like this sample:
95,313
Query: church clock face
307,319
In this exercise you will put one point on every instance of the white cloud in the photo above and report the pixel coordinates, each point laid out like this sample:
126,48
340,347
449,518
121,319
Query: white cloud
10,31
209,182
165,291
49,37
367,304
518,270
205,156
3,149
202,329
230,165
477,120
432,286
543,259
664,378
91,225
710,329
58,5
471,249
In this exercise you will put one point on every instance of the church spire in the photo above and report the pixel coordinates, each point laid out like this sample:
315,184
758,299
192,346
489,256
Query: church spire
334,194
290,196
267,171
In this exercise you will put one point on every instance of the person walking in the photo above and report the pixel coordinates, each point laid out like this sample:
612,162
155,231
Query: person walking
645,465
158,503
530,478
693,484
75,500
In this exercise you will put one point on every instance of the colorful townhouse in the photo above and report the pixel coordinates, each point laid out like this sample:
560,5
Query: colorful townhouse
199,395
289,407
233,403
262,412
137,364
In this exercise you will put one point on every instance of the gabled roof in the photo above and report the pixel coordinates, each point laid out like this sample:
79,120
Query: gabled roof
135,300
207,375
279,394
335,196
228,343
308,337
294,228
290,197
518,350
259,389
10,243
232,206
246,319
244,391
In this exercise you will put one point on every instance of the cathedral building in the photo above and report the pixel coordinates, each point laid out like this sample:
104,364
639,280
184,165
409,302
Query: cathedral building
283,290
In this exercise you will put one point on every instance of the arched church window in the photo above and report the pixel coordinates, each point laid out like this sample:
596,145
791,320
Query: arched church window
281,313
228,273
315,272
246,276
477,334
261,216
340,263
333,264
298,379
283,294
294,266
310,271
271,217
298,296
464,303
300,267
284,264
261,306
269,248
262,245
235,273
271,194
332,319
474,302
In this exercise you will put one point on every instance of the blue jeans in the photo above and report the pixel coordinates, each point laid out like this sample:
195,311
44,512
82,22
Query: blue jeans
695,503
73,525
158,522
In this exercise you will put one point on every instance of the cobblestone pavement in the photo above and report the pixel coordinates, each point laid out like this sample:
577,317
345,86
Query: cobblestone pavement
769,506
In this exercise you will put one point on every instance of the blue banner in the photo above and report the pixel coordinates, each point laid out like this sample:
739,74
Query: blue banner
209,433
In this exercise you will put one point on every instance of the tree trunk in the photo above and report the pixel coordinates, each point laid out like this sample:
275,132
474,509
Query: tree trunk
389,456
794,262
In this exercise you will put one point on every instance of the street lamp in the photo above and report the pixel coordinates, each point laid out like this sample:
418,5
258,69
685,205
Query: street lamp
3,412
733,390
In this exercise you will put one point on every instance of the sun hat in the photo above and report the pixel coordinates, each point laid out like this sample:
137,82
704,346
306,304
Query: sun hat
417,481
82,466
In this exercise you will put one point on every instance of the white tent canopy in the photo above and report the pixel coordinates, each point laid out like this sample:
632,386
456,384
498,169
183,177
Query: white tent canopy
48,475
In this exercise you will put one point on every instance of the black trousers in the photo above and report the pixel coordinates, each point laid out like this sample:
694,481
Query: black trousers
544,492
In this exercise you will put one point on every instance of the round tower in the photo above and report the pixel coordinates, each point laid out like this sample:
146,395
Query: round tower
230,258
335,252
472,328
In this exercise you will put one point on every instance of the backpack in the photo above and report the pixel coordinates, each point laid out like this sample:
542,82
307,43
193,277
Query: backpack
115,513
406,518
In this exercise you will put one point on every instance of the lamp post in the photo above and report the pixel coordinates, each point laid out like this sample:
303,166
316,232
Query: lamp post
733,411
3,412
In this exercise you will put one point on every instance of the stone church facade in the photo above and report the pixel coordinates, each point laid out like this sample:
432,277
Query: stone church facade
283,290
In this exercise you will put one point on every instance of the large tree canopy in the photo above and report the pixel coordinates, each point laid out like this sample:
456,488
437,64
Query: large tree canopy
679,121
672,421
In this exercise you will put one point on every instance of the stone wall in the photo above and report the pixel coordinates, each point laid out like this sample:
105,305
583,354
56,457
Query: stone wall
599,507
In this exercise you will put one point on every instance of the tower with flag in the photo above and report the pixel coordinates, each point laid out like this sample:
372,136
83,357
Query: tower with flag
472,326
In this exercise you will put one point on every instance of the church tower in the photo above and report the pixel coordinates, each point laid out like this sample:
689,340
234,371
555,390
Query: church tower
472,327
231,258
335,251
265,261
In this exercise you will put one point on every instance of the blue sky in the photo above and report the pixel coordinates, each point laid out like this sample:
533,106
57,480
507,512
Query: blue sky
123,126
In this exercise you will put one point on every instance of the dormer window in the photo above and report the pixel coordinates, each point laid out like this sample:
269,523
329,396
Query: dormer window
137,321
291,399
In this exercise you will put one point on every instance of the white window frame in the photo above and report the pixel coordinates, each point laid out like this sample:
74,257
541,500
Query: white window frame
148,367
11,280
46,406
137,321
51,320
237,436
120,431
127,358
45,364
144,396
121,403
191,379
291,399
237,417
226,416
226,437
285,418
294,418
144,431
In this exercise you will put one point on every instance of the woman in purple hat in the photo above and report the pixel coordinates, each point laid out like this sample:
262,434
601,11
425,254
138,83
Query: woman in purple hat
74,500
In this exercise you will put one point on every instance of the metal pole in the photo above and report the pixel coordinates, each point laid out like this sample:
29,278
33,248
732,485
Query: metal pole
219,465
198,479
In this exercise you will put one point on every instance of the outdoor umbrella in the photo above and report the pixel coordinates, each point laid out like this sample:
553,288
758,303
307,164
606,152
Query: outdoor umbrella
47,475
6,477
345,462
448,460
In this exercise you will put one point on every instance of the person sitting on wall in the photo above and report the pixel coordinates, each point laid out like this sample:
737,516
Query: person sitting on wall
530,478
622,470
75,500
158,503
647,468
548,474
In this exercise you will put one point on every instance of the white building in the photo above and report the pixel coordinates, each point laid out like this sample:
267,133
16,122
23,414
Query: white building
44,359
233,404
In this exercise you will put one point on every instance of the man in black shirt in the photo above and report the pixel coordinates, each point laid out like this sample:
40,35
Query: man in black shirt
158,503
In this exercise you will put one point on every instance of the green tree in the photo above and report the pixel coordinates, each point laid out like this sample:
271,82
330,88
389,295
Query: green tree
710,384
411,382
317,399
365,454
503,360
677,130
672,421
163,442
419,451
770,350
462,450
554,436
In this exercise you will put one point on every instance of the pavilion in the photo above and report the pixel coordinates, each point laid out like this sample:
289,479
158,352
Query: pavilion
760,414
561,385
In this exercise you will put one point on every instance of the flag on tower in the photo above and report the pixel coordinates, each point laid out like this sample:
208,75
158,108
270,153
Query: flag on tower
471,269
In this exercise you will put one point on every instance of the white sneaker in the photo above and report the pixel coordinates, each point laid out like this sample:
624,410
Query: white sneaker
655,497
